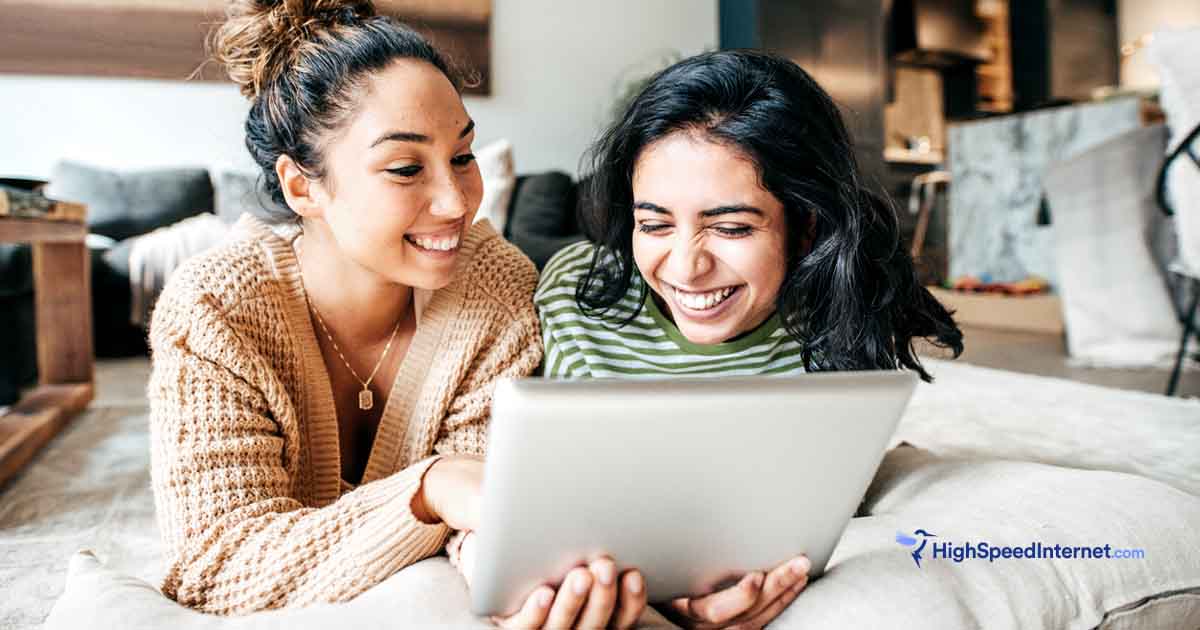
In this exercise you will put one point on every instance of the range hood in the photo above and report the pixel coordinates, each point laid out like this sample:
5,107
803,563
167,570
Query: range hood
936,33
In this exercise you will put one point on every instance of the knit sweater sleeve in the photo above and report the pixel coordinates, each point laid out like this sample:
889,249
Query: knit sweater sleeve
511,349
224,471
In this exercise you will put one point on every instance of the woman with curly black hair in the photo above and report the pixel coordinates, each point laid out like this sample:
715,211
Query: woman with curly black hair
733,234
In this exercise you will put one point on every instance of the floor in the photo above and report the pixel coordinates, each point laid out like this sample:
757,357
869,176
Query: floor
1046,355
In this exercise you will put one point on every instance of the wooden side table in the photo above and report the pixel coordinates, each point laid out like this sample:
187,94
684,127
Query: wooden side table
63,303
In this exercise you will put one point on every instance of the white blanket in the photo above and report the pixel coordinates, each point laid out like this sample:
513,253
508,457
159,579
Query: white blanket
155,255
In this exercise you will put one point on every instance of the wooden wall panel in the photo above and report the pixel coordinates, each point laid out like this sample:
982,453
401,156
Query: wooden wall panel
165,39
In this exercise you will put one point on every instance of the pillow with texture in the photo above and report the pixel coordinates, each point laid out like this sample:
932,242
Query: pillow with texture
125,204
1176,56
499,180
1102,201
873,581
428,594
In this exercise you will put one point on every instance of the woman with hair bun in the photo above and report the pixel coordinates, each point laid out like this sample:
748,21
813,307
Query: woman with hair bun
322,382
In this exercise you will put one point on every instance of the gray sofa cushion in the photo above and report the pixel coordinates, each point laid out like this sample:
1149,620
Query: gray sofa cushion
542,218
239,193
121,205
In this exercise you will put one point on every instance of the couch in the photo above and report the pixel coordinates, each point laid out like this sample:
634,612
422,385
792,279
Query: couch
120,208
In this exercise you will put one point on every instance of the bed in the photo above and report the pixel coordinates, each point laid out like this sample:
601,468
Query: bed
982,455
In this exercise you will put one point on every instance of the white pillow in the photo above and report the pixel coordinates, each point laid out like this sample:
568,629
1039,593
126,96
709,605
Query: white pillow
1176,56
1102,201
873,582
428,594
499,181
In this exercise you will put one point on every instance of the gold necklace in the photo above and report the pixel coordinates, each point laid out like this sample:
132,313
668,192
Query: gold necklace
366,398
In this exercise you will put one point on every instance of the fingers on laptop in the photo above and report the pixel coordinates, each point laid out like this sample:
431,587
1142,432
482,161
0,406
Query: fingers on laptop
631,602
602,598
717,609
751,603
766,616
533,613
783,584
572,596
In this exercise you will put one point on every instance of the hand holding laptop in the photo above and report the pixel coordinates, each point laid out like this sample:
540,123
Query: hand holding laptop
594,595
589,597
751,603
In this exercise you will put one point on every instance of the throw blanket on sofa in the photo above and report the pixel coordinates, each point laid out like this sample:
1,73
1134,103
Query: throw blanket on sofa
156,254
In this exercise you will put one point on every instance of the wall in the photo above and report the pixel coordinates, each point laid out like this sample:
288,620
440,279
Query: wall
556,65
1139,17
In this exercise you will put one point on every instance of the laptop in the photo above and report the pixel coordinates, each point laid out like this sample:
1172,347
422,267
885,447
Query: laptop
693,481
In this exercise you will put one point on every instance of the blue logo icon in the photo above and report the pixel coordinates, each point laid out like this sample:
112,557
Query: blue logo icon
908,541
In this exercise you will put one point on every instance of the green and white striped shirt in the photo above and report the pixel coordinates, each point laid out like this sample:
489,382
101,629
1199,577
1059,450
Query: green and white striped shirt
649,346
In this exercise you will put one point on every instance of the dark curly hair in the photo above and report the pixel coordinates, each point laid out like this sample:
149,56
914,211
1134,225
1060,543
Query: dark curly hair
853,299
302,63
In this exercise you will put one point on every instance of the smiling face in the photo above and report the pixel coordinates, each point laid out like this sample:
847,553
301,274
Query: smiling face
708,238
402,186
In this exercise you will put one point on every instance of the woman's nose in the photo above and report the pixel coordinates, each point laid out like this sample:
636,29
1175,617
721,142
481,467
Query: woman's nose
689,260
450,200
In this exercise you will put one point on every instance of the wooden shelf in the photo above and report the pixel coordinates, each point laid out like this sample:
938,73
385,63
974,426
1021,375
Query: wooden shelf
18,230
35,419
905,156
63,312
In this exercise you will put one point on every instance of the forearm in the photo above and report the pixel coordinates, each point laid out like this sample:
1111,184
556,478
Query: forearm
273,554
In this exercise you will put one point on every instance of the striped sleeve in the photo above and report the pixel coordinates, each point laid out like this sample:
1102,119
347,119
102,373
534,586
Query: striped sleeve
557,310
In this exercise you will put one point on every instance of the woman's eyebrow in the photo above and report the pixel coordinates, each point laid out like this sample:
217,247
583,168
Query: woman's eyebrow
731,210
734,209
652,207
409,136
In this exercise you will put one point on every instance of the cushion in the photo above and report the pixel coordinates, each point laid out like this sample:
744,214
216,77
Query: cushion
1176,56
239,193
1103,202
499,178
873,581
121,205
977,412
543,216
427,594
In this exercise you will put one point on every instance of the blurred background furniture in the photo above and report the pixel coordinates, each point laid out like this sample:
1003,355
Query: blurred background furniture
1189,148
62,295
121,207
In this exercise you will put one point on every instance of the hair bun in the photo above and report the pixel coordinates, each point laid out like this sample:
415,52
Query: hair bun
259,37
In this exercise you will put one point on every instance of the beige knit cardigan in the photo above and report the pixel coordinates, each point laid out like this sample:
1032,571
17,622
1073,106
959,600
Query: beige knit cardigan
244,436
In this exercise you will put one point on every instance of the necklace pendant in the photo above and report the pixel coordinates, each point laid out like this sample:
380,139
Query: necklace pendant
366,399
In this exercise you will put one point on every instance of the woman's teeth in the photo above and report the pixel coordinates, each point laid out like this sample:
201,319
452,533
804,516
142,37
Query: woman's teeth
443,244
703,301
